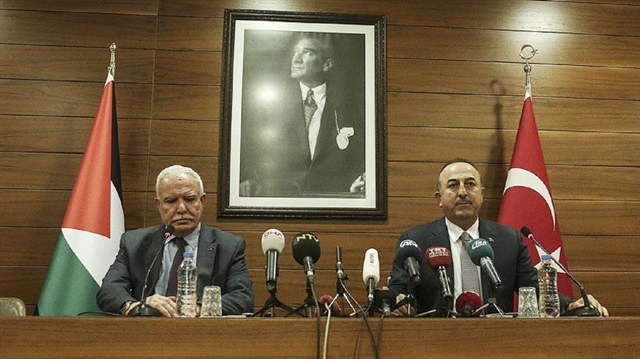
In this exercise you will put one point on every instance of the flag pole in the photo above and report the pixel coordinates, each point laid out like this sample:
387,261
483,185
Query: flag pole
527,67
112,63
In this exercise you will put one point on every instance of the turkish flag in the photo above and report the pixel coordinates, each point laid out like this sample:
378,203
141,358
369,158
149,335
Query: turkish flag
527,200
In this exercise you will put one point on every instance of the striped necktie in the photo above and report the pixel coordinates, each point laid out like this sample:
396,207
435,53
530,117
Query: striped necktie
172,286
310,107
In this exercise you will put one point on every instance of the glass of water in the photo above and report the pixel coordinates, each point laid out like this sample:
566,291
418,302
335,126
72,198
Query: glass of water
527,302
211,302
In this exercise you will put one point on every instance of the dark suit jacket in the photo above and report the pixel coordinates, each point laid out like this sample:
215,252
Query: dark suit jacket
275,146
511,260
220,262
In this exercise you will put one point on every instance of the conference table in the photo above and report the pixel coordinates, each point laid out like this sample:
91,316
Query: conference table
262,337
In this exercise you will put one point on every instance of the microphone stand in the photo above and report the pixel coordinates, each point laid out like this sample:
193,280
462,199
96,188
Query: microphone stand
271,303
447,308
409,299
144,310
341,293
309,302
588,309
491,302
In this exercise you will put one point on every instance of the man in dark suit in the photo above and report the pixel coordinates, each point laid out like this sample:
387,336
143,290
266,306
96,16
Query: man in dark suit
307,138
460,195
219,255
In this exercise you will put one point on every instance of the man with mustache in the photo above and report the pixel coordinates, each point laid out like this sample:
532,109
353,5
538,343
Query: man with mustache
460,195
219,255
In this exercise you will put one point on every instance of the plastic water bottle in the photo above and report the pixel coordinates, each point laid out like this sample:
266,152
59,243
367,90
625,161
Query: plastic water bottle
549,301
187,278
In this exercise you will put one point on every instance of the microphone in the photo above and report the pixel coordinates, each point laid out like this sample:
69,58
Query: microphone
385,300
339,266
439,259
306,251
144,310
408,254
587,310
481,254
272,245
371,272
467,303
333,305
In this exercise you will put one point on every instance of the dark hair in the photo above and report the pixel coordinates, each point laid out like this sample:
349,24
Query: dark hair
455,160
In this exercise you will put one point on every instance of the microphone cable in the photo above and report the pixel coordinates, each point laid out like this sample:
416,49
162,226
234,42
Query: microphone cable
326,330
315,300
366,322
380,325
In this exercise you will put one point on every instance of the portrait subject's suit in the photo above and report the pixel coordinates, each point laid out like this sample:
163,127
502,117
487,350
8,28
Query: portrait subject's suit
275,147
511,260
220,262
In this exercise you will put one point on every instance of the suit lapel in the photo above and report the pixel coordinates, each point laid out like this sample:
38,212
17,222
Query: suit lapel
295,107
153,244
441,239
207,249
486,230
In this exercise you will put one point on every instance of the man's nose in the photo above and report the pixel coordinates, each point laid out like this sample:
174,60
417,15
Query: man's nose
181,206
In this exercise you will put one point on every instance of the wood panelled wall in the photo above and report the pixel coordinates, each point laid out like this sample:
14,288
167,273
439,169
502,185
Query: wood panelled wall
454,88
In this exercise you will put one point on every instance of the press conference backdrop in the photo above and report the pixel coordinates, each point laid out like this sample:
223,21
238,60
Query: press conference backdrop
454,88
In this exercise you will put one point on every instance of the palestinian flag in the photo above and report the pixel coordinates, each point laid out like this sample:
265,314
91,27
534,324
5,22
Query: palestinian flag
93,223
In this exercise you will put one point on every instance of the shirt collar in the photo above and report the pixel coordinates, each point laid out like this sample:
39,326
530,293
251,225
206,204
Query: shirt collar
191,238
455,232
318,91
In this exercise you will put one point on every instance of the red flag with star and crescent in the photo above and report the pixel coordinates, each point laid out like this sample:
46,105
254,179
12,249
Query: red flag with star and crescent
527,200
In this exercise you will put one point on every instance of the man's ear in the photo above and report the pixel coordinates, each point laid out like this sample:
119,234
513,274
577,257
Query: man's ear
438,198
327,65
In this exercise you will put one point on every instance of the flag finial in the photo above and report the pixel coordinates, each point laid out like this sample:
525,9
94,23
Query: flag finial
527,67
112,63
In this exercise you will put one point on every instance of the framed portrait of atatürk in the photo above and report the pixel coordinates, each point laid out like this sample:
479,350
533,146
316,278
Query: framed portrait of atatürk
302,124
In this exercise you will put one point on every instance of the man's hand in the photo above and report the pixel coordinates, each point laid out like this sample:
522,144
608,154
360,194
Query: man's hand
404,310
165,305
580,302
358,186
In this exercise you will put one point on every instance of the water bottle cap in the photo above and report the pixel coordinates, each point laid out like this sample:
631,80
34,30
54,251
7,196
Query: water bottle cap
545,257
188,255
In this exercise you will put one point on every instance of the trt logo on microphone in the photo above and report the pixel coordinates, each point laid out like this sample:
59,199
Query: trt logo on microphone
437,252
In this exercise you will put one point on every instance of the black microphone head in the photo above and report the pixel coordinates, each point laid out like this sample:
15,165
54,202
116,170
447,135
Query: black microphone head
385,296
526,231
168,231
479,248
408,248
305,244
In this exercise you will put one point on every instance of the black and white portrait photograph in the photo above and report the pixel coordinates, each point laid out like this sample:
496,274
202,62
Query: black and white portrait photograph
304,120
